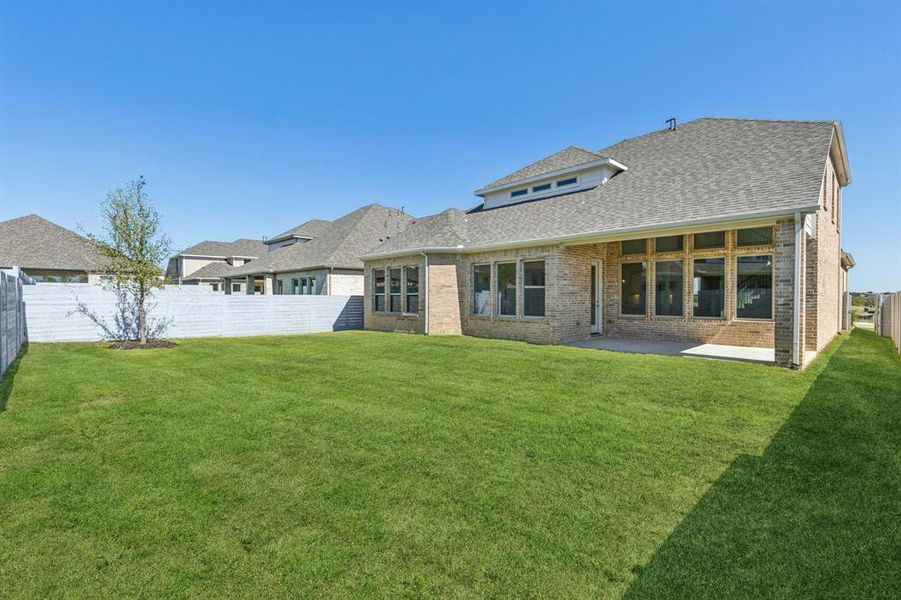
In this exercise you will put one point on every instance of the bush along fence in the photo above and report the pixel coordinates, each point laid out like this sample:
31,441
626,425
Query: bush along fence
79,312
12,318
888,317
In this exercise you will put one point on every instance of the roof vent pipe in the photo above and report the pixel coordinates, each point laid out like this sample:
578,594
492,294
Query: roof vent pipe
672,123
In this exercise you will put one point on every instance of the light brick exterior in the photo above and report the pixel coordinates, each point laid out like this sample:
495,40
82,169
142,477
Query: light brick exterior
568,292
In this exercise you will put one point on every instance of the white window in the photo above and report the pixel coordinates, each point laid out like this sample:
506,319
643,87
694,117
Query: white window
378,290
505,276
567,182
518,193
533,288
394,289
481,290
411,287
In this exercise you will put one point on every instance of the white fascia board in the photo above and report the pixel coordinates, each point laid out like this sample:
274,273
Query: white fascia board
748,219
843,153
551,174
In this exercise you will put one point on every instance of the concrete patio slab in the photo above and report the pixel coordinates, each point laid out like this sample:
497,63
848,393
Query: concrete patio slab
713,351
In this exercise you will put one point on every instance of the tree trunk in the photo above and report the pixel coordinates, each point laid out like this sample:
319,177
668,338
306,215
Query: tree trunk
142,316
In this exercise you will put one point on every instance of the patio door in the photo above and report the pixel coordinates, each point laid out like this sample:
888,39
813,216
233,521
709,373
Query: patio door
597,276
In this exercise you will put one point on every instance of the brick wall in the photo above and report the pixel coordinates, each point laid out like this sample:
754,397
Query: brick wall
568,295
726,330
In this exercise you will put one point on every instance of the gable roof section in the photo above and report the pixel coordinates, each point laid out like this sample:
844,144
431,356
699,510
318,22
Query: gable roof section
214,270
32,242
240,247
310,230
706,171
338,246
568,157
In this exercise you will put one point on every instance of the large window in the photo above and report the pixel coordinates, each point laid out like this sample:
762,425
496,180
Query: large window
378,290
708,287
634,291
394,290
668,275
670,243
411,282
712,239
506,288
756,236
754,287
533,288
634,246
481,290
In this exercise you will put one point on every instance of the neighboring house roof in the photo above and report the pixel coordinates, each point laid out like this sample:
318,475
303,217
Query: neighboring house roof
214,270
568,157
308,230
32,242
707,170
241,247
337,246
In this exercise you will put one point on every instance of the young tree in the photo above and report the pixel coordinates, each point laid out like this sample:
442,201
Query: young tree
133,245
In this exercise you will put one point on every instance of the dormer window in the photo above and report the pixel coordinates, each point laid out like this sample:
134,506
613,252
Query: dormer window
582,171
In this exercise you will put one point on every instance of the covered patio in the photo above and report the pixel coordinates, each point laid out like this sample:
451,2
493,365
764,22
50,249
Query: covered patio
691,349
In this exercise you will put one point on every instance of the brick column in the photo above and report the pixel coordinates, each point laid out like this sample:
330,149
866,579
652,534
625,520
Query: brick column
268,285
784,280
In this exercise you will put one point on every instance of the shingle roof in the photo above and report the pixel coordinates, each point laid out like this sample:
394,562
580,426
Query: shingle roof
32,242
240,247
708,169
310,229
338,246
568,157
214,270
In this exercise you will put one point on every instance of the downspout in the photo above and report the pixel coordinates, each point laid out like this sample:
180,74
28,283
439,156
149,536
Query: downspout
425,298
796,305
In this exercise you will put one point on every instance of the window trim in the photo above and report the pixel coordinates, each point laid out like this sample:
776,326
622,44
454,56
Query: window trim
681,248
376,294
644,252
621,295
772,317
472,297
497,282
400,294
723,248
681,262
405,292
742,247
725,315
522,277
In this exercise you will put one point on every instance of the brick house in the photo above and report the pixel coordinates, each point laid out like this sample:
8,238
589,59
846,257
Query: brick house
719,230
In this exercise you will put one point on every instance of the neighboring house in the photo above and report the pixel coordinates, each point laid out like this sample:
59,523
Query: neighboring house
49,253
204,263
327,261
719,230
302,233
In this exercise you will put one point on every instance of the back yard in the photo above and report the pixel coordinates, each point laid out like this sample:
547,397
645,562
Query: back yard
384,464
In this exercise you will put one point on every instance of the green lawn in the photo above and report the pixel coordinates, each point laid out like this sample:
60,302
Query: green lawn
366,464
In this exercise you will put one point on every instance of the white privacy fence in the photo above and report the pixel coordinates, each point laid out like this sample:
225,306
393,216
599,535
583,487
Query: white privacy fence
888,317
12,319
53,315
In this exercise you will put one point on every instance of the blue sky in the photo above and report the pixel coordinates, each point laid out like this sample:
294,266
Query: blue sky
247,119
